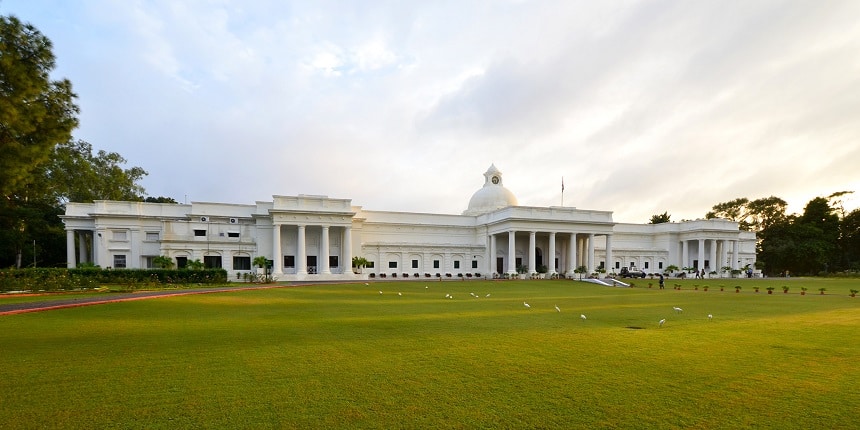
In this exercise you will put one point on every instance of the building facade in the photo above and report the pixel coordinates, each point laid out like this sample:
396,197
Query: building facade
316,237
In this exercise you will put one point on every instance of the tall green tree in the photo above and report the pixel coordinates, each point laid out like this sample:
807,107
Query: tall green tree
74,174
754,215
36,113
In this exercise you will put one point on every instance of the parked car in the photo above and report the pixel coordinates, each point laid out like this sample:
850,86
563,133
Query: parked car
631,273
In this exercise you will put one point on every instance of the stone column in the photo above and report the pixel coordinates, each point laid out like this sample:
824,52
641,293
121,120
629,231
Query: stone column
324,266
347,251
571,258
685,254
492,258
713,256
70,249
591,253
277,255
82,248
301,256
701,254
512,253
532,268
551,263
610,265
735,255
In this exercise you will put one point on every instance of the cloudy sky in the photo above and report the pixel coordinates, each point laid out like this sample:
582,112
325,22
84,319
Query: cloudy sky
643,107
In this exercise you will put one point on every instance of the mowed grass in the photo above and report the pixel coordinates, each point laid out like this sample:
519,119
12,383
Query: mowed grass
345,356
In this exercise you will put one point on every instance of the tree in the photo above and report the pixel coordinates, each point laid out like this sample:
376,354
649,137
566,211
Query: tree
359,263
263,263
36,113
753,215
74,174
661,218
160,199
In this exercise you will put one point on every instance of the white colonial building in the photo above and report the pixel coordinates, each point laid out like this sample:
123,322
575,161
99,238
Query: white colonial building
316,237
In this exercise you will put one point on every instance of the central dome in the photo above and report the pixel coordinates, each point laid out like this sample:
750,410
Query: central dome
493,195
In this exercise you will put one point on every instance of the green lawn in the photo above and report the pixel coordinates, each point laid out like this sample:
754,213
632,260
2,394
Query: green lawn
339,356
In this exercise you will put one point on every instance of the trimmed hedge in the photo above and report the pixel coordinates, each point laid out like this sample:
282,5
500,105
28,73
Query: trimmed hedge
51,279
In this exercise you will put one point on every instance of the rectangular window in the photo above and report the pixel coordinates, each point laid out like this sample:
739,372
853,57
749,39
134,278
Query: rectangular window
392,264
232,234
152,236
435,264
119,261
241,263
414,264
518,261
632,264
333,261
148,262
199,233
646,264
660,265
290,261
474,264
617,264
370,264
181,262
456,264
602,265
119,235
212,261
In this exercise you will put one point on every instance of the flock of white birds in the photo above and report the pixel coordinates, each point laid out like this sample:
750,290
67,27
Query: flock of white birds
660,323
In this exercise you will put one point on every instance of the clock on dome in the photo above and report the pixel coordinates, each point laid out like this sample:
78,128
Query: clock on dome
495,180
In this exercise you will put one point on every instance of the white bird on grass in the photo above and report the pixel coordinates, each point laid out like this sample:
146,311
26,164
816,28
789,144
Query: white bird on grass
582,317
710,317
447,296
557,309
677,309
662,321
488,295
399,294
526,304
366,284
380,292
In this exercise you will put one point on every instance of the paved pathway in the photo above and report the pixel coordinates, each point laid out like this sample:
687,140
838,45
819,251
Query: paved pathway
71,302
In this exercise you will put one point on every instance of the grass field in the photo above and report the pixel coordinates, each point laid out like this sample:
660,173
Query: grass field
345,356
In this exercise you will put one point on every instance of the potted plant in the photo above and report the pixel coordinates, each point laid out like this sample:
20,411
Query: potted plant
705,288
769,290
822,290
756,289
737,288
803,291
854,293
696,287
785,289
722,287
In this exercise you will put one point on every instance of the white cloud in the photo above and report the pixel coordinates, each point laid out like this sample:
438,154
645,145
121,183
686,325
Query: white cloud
644,107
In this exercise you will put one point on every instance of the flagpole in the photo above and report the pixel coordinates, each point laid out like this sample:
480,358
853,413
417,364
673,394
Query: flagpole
562,191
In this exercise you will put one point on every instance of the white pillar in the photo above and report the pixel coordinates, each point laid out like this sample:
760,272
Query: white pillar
532,252
512,254
70,249
701,254
591,253
277,255
324,266
610,266
82,247
571,258
685,254
301,257
551,266
735,255
712,256
347,251
492,257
